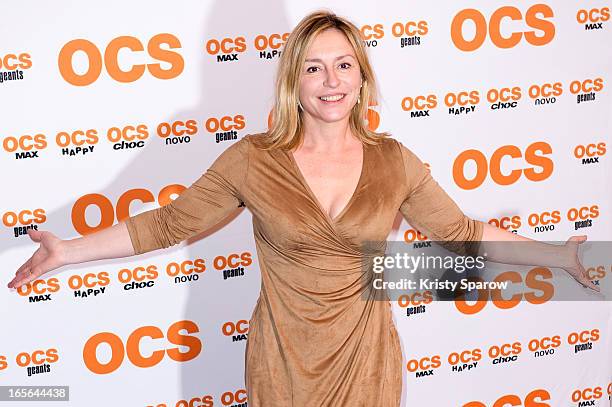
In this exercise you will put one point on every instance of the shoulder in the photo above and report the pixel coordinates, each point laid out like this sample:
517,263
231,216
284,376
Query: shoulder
234,155
241,147
391,146
413,167
408,156
385,144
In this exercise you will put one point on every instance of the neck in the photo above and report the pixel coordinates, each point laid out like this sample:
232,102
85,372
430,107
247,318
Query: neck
327,137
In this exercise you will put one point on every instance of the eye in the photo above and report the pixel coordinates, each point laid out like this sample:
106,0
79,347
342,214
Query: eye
345,65
311,69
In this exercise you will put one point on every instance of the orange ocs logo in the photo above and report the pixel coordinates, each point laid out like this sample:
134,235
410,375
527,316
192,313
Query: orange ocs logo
138,277
585,90
409,32
419,105
586,85
510,223
415,302
269,46
118,349
226,49
587,396
36,361
89,280
462,102
229,398
424,366
224,123
26,143
12,62
535,398
535,18
178,131
122,207
371,33
23,220
41,289
464,360
594,18
413,235
583,340
545,93
590,153
492,166
506,352
537,291
504,98
77,142
187,270
597,273
111,59
225,127
544,346
237,330
233,264
418,298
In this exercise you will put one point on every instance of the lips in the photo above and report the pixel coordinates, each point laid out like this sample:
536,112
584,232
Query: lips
332,98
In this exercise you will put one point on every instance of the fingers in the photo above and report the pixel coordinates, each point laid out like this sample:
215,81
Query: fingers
21,272
589,284
31,273
579,239
35,235
19,279
582,279
26,273
24,265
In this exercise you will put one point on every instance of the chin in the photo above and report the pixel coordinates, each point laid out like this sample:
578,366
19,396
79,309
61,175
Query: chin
332,118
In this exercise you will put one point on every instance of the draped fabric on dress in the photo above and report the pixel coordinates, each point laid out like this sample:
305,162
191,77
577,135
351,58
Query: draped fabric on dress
317,336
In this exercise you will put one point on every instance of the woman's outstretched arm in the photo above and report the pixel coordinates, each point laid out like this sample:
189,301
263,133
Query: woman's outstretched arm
429,208
211,198
109,243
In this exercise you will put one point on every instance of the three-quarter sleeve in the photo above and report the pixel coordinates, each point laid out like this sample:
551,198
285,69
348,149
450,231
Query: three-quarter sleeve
207,201
430,209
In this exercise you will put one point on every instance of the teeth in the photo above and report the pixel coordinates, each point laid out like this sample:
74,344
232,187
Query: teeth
331,98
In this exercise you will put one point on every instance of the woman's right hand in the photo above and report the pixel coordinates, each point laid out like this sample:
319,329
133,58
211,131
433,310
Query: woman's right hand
49,256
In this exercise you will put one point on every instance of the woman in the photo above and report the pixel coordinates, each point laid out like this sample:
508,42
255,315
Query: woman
319,185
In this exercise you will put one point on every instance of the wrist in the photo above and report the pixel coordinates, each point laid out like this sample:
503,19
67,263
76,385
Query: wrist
566,257
70,251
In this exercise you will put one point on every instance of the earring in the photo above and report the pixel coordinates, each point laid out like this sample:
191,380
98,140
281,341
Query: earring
359,95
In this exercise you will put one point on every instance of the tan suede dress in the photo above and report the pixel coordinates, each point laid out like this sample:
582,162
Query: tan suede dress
317,337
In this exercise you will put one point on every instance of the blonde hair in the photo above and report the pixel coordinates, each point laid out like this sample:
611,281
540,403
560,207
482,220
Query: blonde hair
286,130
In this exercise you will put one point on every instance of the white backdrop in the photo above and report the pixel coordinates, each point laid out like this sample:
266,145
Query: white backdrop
120,346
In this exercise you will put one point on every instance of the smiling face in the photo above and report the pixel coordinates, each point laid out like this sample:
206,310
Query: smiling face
330,79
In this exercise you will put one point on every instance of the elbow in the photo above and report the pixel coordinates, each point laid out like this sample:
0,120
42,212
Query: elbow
169,230
466,229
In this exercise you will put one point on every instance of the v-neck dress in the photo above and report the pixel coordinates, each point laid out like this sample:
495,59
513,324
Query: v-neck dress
319,335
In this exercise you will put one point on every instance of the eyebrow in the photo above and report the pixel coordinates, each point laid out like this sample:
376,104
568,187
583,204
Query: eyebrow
340,57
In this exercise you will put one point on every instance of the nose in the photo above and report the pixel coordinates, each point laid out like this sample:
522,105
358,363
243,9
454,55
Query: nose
331,80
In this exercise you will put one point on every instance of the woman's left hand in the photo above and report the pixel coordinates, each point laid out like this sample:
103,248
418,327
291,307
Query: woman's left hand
574,267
